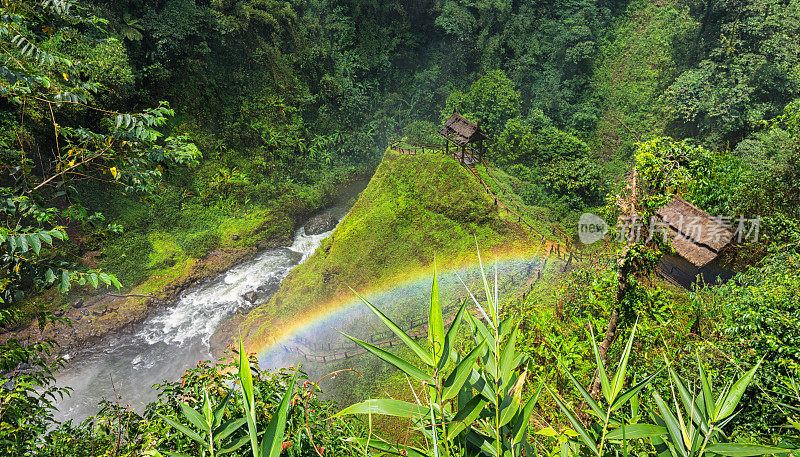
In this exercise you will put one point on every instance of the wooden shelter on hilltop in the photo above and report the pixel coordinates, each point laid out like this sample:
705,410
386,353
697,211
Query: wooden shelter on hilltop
697,237
467,137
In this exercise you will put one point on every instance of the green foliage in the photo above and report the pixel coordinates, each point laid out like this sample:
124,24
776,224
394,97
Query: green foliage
747,72
492,100
198,245
761,306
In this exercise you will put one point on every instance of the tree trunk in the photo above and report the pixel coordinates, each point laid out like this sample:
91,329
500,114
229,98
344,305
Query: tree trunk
611,328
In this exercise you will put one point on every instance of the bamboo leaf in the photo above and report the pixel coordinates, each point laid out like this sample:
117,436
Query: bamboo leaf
194,417
521,428
636,431
392,359
273,436
466,416
622,368
386,407
183,429
731,400
630,393
745,450
246,378
383,446
586,396
450,337
224,430
673,426
576,424
421,353
461,372
435,319
601,370
234,445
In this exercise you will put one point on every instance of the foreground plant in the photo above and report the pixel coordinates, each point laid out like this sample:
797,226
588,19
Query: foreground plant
692,428
211,432
466,405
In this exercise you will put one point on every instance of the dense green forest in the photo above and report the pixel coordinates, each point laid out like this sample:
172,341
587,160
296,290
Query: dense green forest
139,137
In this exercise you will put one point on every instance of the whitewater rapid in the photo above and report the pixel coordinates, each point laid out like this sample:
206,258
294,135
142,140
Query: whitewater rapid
176,337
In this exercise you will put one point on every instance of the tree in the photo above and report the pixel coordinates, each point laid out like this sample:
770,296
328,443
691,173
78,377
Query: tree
48,146
492,100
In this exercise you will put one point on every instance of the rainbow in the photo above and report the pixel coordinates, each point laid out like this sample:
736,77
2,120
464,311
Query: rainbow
332,311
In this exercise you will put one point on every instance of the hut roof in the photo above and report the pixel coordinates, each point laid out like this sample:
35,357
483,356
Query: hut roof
461,131
696,235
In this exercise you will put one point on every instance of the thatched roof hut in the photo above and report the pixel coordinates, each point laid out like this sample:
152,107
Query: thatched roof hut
696,235
461,131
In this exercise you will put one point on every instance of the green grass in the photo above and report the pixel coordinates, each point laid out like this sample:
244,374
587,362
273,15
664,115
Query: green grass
414,207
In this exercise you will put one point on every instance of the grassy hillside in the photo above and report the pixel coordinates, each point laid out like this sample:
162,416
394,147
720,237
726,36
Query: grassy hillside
414,207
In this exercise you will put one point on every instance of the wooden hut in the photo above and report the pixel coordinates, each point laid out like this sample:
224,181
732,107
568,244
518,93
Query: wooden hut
467,137
698,238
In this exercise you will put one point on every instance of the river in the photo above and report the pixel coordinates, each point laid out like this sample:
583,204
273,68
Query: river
177,337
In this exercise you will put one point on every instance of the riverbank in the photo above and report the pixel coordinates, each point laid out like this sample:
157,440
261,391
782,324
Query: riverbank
85,316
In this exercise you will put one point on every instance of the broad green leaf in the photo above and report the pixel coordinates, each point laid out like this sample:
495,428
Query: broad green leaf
234,445
57,233
93,279
521,427
460,373
731,400
49,276
636,431
183,429
273,436
576,424
386,407
45,236
466,416
421,353
435,319
745,450
194,417
393,360
22,243
225,429
64,281
35,243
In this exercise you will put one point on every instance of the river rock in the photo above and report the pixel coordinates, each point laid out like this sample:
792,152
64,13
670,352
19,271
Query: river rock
250,297
78,303
320,224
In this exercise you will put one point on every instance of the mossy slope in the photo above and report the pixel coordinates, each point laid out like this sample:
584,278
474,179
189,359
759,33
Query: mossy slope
413,207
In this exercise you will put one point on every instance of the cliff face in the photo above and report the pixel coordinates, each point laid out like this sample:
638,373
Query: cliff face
415,206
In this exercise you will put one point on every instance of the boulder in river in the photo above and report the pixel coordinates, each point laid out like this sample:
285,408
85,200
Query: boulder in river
250,297
320,224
